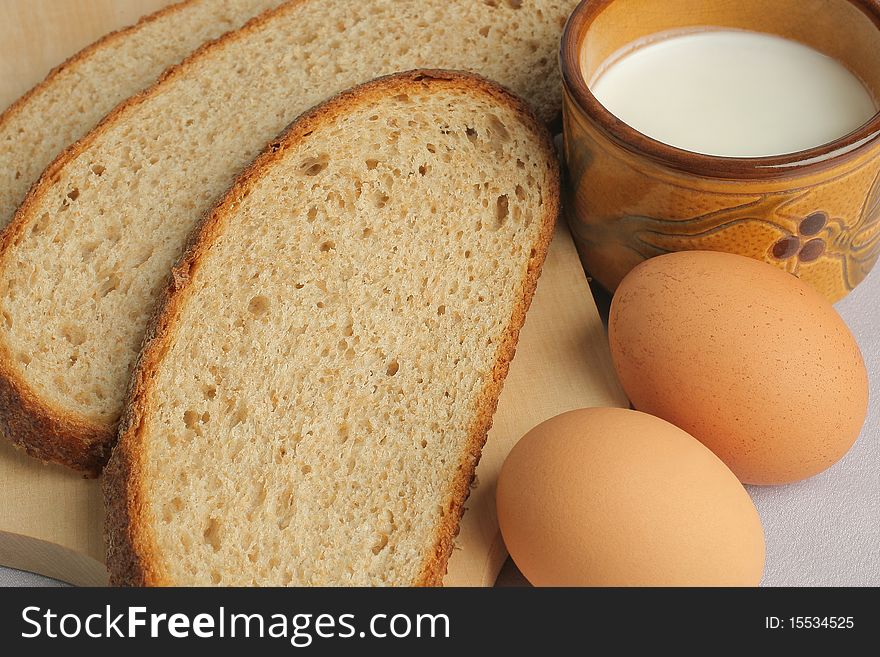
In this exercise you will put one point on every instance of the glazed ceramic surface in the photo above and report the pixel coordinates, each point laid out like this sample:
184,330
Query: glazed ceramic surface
815,213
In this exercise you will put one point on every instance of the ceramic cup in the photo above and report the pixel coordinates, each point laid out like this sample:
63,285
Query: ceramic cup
814,213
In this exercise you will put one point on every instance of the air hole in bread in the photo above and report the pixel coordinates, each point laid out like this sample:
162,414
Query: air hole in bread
142,259
212,534
190,419
520,193
312,214
393,368
431,148
502,209
258,306
286,507
314,165
380,543
41,224
73,194
471,135
209,392
371,164
327,246
380,199
498,135
367,232
484,31
110,284
74,334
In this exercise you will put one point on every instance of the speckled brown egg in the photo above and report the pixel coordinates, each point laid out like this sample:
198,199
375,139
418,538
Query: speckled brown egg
745,357
614,497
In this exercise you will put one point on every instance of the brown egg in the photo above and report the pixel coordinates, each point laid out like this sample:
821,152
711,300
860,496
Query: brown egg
745,357
614,497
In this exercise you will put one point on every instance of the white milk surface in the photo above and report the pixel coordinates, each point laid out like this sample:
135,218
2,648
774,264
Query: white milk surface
733,93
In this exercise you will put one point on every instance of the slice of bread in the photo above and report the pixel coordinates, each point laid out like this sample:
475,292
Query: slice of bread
90,249
77,94
314,394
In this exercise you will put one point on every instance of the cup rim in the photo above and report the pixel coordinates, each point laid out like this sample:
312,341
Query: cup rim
798,163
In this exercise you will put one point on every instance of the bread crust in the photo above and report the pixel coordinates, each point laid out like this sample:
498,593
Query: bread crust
133,558
51,435
72,61
54,434
46,433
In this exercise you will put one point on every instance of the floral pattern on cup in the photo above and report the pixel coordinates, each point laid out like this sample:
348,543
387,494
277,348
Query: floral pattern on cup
804,246
831,250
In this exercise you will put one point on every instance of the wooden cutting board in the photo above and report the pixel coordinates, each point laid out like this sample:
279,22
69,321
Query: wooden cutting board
51,519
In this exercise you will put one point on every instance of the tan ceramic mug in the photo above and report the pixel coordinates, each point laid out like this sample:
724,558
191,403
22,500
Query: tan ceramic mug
815,213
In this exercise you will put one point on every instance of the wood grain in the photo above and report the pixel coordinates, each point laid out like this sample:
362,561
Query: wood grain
51,519
562,363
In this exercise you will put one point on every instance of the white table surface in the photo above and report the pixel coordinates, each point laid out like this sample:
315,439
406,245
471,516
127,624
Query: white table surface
821,532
